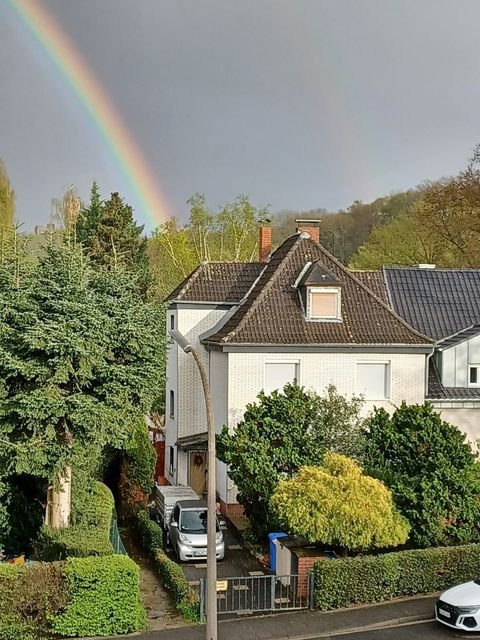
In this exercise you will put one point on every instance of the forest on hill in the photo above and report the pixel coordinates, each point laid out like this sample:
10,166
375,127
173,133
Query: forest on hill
436,222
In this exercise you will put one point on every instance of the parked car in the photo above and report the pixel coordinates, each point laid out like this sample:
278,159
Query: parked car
459,607
188,531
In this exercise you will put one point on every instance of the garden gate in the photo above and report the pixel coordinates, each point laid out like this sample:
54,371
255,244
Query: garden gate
254,594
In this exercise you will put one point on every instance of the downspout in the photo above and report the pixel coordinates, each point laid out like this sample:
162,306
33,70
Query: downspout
427,367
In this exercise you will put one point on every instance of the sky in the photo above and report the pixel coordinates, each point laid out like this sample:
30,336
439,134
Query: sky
298,103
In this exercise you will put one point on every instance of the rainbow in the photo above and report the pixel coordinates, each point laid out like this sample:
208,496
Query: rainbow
100,109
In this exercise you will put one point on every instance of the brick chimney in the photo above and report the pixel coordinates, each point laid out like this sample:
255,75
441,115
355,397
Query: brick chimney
265,242
312,227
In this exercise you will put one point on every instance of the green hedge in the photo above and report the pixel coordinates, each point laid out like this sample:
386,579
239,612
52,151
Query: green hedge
91,537
367,579
175,581
150,534
13,628
103,597
77,542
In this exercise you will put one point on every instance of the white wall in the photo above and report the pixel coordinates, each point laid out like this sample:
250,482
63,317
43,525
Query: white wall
455,362
183,378
316,372
466,419
219,390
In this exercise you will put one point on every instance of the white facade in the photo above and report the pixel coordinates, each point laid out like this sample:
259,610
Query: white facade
236,378
457,362
188,417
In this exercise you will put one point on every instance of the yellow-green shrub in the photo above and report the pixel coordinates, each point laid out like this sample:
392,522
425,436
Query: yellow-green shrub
337,504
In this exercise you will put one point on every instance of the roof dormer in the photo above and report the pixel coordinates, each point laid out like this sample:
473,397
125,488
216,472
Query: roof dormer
320,293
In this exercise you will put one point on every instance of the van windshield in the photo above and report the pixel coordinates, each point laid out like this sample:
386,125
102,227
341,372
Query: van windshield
194,522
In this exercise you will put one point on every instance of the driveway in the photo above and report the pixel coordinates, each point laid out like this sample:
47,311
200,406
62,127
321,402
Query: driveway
238,561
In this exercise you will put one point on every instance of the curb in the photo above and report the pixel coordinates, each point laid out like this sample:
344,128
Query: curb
376,626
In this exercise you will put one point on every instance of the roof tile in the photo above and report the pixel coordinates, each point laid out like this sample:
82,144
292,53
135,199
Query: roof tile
271,313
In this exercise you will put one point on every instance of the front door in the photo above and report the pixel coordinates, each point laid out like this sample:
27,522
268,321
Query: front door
197,471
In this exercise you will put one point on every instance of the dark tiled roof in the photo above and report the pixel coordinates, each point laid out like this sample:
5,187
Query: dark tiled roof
272,314
437,302
374,281
318,274
218,282
436,390
461,336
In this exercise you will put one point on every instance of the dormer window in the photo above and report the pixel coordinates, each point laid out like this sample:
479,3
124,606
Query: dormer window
324,303
320,291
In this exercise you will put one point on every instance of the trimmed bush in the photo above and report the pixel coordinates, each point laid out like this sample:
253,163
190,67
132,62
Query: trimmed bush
103,597
29,596
150,534
367,579
13,628
176,583
137,470
11,578
59,544
90,538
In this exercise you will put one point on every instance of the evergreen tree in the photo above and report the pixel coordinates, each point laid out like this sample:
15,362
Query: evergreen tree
80,361
110,235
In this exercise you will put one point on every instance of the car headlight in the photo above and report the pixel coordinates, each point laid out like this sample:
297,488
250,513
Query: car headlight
462,610
218,537
185,539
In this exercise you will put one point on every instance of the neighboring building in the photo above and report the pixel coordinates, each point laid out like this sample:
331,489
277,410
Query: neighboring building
40,229
299,314
445,305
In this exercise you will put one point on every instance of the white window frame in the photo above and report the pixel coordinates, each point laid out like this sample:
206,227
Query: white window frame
171,401
322,290
388,379
296,362
473,385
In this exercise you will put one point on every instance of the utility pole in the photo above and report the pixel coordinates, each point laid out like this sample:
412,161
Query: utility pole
211,491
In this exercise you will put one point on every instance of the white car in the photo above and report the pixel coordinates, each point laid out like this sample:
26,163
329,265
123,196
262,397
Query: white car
459,607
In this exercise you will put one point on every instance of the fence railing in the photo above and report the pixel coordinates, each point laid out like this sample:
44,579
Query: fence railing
250,594
115,538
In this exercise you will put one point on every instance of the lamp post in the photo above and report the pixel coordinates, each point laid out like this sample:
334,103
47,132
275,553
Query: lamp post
211,491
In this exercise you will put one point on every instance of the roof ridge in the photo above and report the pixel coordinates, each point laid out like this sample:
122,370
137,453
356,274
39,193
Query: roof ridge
207,262
459,333
436,270
349,274
263,290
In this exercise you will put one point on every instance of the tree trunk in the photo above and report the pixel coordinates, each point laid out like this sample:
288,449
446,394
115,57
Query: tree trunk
59,502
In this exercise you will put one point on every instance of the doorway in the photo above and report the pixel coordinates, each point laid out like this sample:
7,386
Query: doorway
197,471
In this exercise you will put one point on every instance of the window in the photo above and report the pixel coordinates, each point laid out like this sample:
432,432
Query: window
324,304
278,374
474,375
172,403
373,380
171,460
172,322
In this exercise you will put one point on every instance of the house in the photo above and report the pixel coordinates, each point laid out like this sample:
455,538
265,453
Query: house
445,305
295,314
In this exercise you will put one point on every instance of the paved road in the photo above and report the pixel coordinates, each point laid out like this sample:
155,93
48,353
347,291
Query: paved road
424,630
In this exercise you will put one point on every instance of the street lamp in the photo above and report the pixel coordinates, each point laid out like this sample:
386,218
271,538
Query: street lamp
185,345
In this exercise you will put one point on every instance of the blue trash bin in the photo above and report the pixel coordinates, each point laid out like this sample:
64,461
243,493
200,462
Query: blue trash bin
273,548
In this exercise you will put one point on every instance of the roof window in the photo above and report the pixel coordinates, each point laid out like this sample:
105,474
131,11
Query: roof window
324,303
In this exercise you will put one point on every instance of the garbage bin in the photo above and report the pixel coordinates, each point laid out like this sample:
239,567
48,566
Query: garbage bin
273,548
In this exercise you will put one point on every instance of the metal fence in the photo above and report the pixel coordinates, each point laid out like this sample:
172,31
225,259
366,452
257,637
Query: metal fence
115,538
251,594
